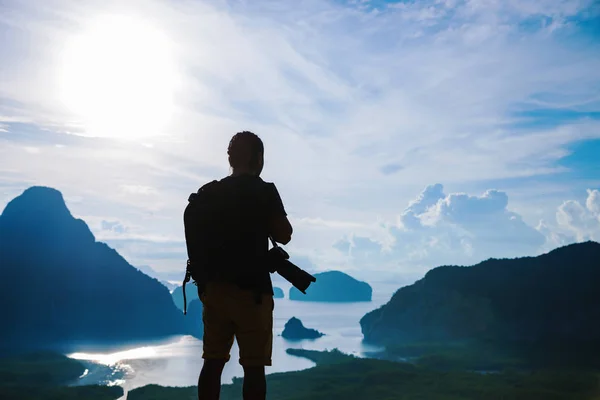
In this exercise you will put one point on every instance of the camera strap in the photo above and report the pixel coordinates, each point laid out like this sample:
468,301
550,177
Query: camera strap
273,242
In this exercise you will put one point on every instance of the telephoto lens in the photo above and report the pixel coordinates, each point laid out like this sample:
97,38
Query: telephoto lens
295,275
278,261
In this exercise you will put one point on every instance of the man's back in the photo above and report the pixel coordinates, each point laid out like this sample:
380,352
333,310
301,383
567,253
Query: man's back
248,206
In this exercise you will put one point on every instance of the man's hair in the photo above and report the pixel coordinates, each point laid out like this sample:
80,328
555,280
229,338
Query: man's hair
245,150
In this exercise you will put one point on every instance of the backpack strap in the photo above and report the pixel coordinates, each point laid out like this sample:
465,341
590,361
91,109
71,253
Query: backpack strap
188,277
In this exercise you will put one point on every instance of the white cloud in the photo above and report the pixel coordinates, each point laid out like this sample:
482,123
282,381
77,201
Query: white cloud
326,224
429,197
32,150
582,221
357,109
439,228
115,226
139,189
554,238
593,202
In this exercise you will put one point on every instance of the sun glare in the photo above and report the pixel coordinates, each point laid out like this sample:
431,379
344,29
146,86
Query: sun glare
113,358
119,77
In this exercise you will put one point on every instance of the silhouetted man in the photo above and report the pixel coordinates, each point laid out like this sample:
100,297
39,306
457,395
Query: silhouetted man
243,307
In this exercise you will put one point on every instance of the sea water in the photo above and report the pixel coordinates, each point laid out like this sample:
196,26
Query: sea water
177,361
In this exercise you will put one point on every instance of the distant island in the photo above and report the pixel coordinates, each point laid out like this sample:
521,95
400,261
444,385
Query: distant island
545,304
295,330
335,287
278,293
78,290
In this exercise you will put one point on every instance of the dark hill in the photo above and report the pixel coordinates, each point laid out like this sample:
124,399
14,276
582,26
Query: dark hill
295,330
553,298
191,293
334,286
278,293
58,285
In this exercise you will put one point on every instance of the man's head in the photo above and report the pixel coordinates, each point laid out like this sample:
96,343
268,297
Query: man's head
246,153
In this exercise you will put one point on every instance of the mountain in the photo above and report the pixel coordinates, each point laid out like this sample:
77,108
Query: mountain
549,299
194,318
334,286
295,330
169,285
191,293
77,290
163,277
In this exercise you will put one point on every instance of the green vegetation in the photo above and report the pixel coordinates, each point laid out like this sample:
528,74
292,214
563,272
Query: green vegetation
321,357
496,356
455,357
344,377
40,369
94,392
44,376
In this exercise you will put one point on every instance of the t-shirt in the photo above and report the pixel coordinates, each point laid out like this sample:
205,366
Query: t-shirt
249,204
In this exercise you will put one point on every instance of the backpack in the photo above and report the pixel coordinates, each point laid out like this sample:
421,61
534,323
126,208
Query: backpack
215,222
201,222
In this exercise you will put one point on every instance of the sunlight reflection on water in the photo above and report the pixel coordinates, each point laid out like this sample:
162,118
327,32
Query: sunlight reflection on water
112,359
177,362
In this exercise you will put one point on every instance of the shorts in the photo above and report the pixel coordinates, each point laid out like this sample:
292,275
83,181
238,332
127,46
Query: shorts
229,312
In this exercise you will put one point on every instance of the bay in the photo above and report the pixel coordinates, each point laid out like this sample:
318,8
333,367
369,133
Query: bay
177,361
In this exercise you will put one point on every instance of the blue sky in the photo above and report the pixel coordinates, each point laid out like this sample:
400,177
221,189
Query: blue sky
402,135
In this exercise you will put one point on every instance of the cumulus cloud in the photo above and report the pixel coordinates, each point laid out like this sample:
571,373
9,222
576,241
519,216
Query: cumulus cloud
410,218
593,202
439,228
554,238
457,228
581,220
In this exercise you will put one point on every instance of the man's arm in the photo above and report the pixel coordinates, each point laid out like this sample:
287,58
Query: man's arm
280,227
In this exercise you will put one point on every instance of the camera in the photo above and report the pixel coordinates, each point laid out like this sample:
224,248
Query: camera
278,261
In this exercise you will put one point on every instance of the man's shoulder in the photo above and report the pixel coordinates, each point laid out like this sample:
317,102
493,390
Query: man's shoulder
201,191
236,186
209,186
246,181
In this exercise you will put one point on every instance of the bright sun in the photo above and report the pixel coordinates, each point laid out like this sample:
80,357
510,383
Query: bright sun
118,77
